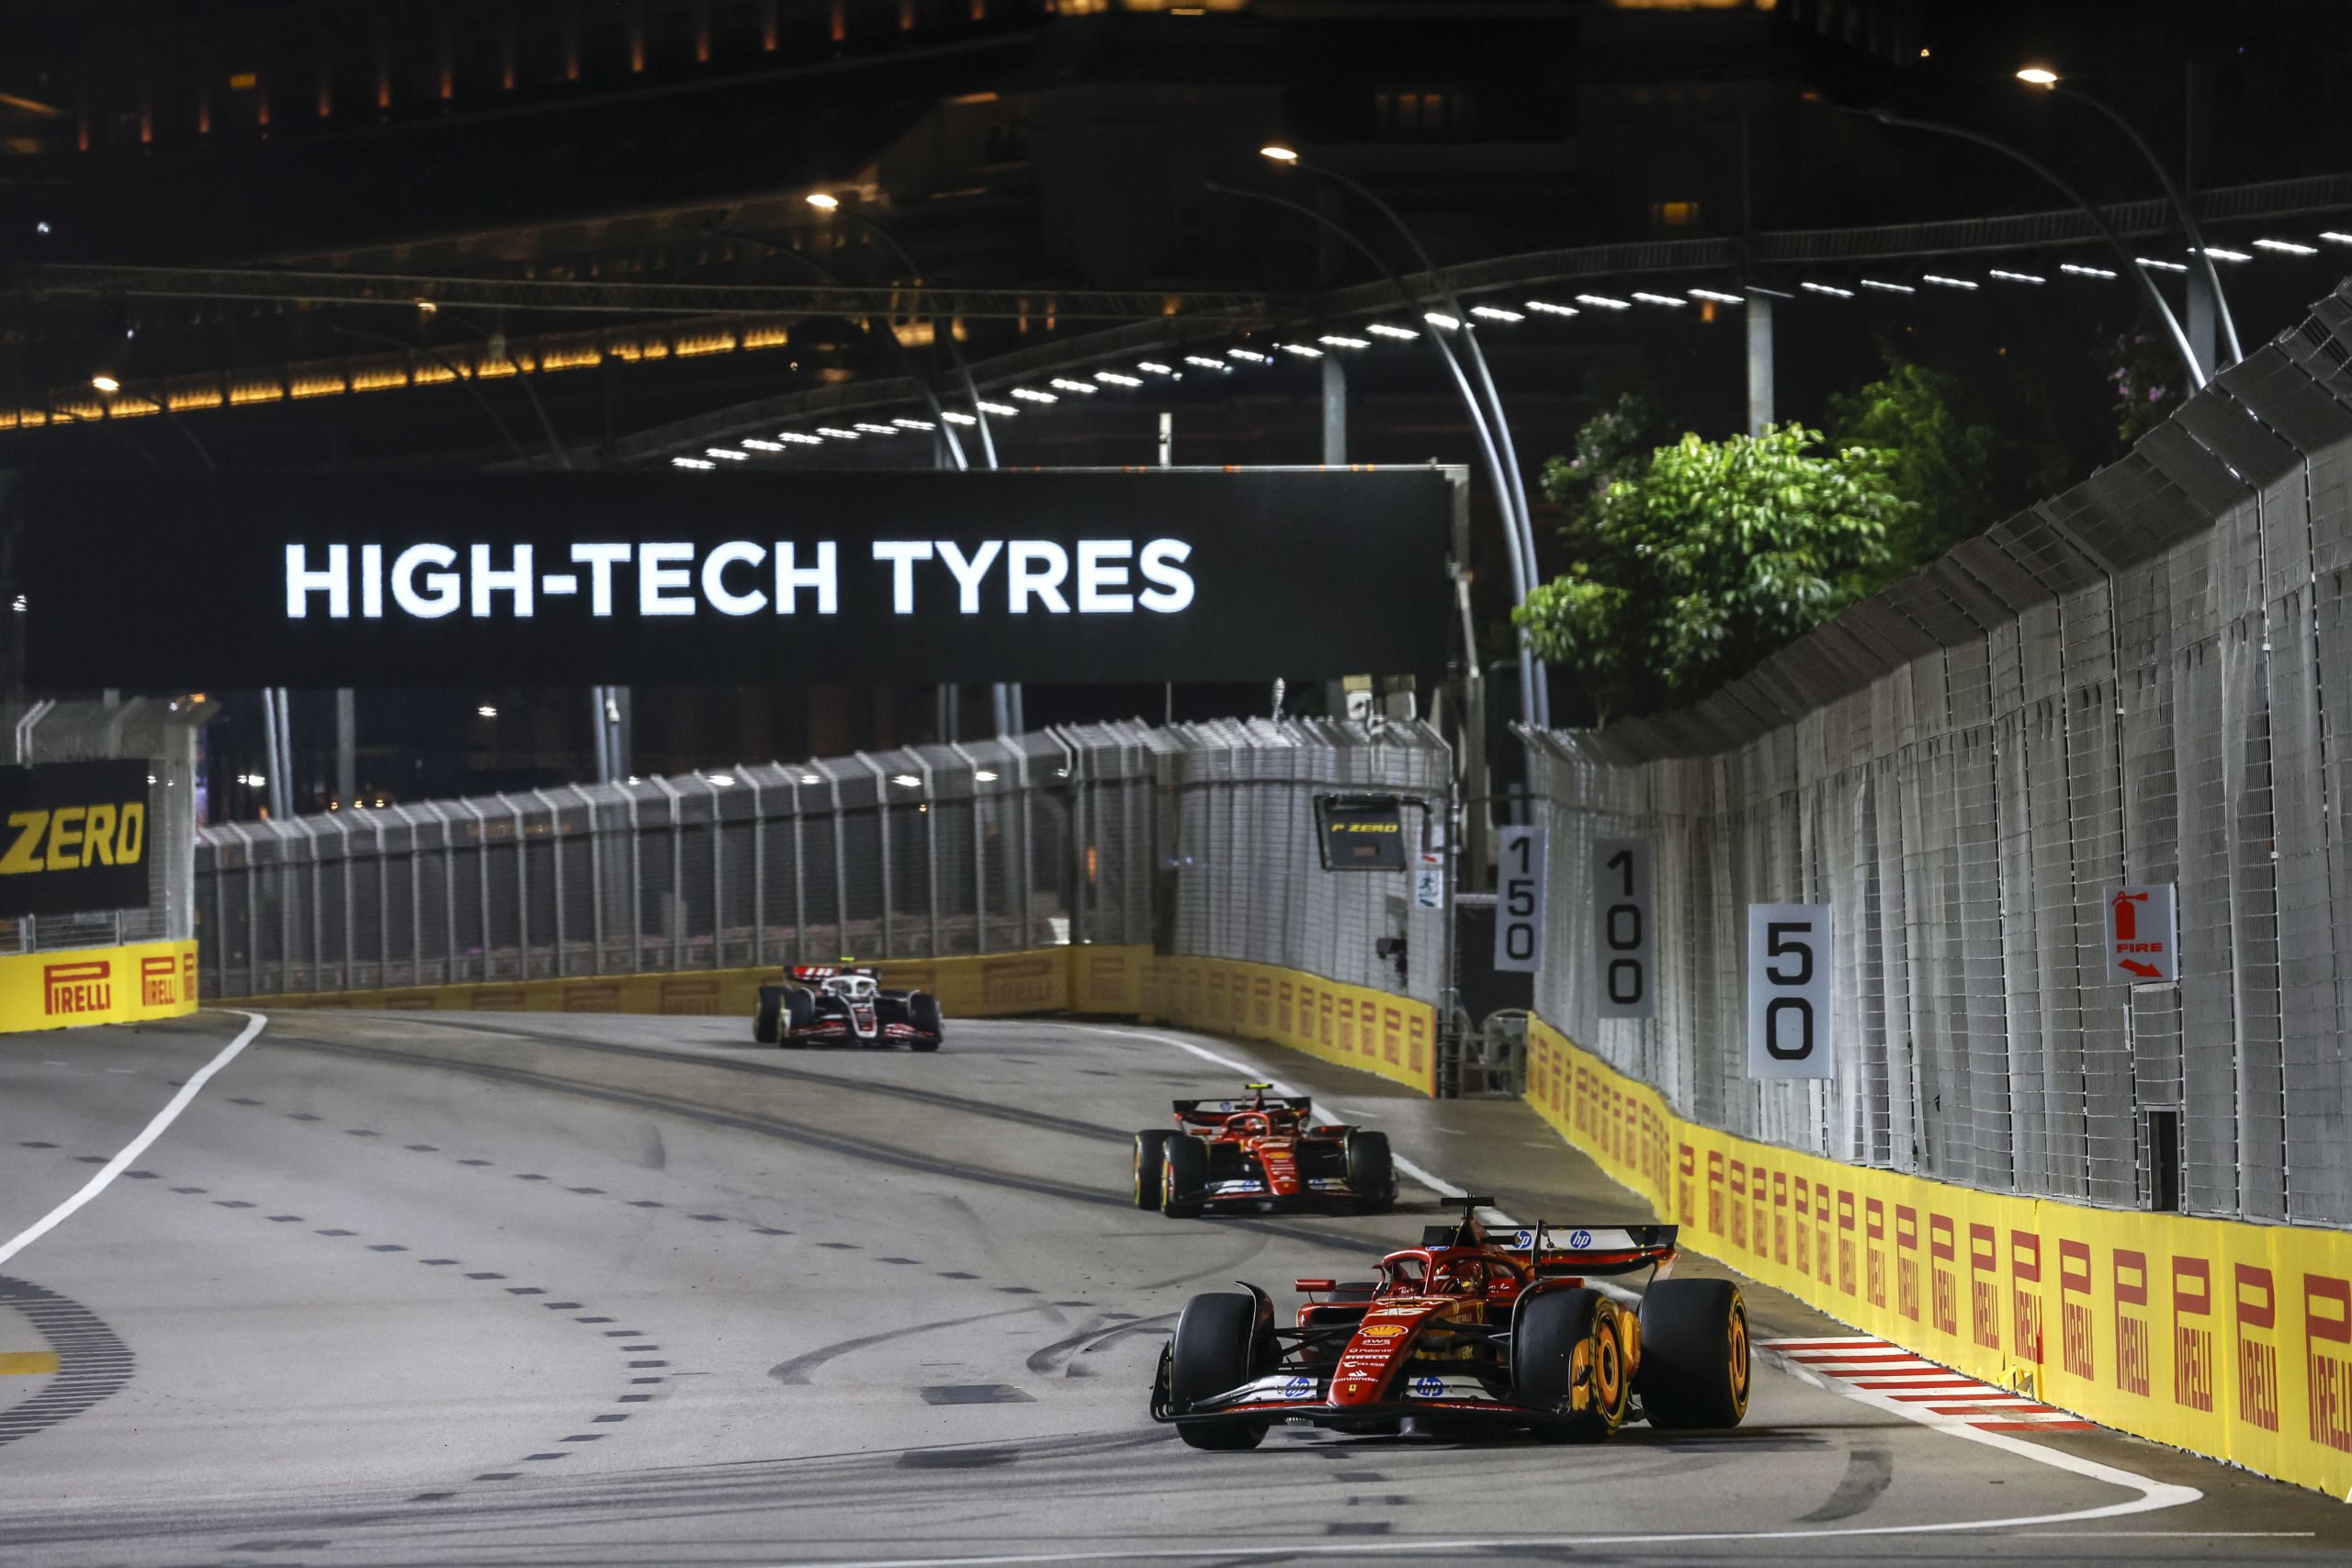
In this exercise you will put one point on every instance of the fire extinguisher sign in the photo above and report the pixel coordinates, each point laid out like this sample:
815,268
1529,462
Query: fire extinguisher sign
2143,935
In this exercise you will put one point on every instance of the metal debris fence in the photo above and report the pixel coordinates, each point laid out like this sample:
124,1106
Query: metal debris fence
1090,834
2147,679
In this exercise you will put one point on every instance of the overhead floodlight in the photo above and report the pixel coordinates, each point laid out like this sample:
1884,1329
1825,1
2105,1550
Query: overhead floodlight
2334,238
823,201
1830,289
1602,302
1302,351
915,424
1888,288
2218,254
905,781
2039,76
810,779
1661,299
2017,277
800,438
2084,271
692,463
729,453
106,384
1251,354
1382,329
1940,281
2160,266
757,445
1111,377
983,775
951,417
1004,410
1066,385
1496,313
724,781
876,429
1205,363
1274,151
1545,308
1439,319
830,433
1336,340
1031,395
1154,367
2286,247
1718,295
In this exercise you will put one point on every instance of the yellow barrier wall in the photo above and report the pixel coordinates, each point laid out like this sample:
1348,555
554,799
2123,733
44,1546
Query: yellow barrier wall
1352,1025
97,985
2229,1339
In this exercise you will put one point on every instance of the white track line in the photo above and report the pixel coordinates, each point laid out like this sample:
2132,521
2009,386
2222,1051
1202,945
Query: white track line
255,1023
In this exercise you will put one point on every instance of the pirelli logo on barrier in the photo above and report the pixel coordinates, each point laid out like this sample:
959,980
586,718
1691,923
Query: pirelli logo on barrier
2327,1327
81,986
1907,1261
75,838
101,985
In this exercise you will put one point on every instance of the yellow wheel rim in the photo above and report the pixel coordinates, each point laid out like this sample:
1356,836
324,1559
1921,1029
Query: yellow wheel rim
1737,1348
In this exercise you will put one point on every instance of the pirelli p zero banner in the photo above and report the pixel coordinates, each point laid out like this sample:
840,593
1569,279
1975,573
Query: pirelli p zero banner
334,580
73,838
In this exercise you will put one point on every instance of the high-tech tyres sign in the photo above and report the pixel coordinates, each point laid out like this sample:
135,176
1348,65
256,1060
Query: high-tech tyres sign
73,838
1787,992
453,579
1520,874
1623,968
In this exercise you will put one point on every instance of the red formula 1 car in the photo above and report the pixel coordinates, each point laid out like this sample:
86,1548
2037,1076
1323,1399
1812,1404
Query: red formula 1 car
1468,1328
829,1005
1259,1152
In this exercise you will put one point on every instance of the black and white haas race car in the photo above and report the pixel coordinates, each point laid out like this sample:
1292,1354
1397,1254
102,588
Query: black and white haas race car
829,1005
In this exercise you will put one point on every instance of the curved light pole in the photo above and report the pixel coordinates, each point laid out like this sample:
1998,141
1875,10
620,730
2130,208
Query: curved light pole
2050,82
1529,688
1004,695
2099,219
1515,492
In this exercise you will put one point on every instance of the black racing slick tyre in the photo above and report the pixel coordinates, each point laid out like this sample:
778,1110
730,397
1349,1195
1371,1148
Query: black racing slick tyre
923,1011
1568,1362
1371,1175
1151,1156
799,1013
767,1015
1215,1349
1184,1176
1694,1355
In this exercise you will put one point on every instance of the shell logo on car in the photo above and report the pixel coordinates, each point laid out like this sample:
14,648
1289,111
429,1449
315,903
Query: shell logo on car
1383,1331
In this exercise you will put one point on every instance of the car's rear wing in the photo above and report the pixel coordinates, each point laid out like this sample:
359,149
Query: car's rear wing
1571,1249
831,971
1217,1109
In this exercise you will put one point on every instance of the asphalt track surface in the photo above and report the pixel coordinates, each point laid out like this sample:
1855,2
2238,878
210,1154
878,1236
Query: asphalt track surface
523,1290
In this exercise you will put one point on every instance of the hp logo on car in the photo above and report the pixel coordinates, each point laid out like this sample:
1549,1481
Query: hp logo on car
1299,1388
1581,1238
1428,1388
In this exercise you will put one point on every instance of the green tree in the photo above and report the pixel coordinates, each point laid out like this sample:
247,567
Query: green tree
1708,557
1953,464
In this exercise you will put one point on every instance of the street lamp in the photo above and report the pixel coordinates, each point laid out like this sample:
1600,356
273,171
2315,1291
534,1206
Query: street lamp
1530,689
2048,81
1004,697
1512,488
2051,176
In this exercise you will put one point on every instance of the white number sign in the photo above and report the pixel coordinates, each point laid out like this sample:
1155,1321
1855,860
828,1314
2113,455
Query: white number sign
1519,902
1623,968
1787,992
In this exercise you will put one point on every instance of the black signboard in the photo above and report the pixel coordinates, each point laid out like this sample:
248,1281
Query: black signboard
1361,832
73,838
728,579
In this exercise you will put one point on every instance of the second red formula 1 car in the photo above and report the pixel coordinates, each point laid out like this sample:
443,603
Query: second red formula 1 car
1467,1329
1260,1152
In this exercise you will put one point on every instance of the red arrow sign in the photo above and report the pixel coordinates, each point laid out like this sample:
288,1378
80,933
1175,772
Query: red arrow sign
2146,971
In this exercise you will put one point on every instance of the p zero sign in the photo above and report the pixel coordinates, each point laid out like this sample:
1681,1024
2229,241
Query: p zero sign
334,580
73,838
1787,992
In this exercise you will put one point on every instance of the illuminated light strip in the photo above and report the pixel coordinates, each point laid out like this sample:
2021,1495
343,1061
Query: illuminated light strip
2084,271
951,417
2333,237
800,438
1496,313
1940,281
1546,306
2160,266
915,423
1602,302
1251,354
2286,247
1113,379
692,463
1206,363
831,434
1826,288
1718,297
757,445
1031,395
2218,254
1066,385
1338,341
2017,277
1439,319
1005,411
875,429
1888,288
1382,329
1661,299
729,453
1154,367
1302,351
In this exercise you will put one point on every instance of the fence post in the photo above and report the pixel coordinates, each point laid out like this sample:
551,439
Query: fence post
980,852
759,867
930,842
882,834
